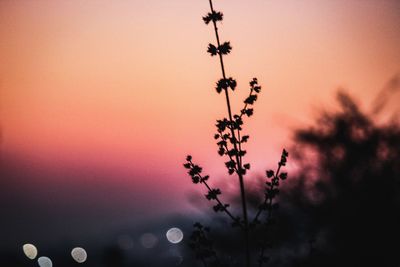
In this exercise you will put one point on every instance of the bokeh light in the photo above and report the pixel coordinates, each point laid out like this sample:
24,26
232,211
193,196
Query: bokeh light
45,262
174,235
148,240
30,251
79,254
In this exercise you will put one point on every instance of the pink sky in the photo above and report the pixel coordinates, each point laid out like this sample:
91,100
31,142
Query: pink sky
127,86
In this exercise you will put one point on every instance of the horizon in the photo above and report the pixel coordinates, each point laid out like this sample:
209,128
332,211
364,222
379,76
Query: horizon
100,101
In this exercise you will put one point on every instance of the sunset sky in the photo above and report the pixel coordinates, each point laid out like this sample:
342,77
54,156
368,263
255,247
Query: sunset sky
100,101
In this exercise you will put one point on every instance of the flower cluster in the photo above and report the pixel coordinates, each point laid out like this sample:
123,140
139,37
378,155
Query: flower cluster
224,84
213,16
222,49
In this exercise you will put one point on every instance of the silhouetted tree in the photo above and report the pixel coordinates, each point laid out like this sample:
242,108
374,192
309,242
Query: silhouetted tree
345,197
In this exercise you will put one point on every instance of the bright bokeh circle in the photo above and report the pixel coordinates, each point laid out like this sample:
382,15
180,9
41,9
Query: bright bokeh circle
79,254
45,262
174,235
30,251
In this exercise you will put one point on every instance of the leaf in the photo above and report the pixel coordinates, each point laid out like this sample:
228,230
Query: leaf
221,143
195,170
212,49
253,82
232,83
214,16
213,193
222,124
225,48
221,85
188,158
226,136
239,121
270,173
187,165
245,138
283,175
247,166
233,140
249,112
230,164
195,179
207,18
232,152
220,207
251,99
205,178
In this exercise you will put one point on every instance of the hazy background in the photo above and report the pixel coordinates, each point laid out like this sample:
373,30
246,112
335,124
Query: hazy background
100,101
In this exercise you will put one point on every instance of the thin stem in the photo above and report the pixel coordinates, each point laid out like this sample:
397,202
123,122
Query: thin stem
246,104
263,246
270,199
239,172
219,202
235,220
267,198
238,130
240,146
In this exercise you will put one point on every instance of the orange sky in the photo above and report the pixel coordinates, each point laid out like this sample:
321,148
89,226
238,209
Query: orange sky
128,84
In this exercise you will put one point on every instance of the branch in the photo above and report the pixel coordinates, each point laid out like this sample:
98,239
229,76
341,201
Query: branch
264,205
195,173
270,194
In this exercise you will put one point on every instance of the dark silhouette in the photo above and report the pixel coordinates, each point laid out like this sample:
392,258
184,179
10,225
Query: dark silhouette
345,197
230,142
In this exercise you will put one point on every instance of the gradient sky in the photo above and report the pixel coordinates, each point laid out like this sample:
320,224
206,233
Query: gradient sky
105,98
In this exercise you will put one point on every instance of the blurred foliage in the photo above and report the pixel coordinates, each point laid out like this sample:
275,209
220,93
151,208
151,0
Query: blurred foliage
345,197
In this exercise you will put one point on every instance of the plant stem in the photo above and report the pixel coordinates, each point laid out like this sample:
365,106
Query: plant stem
219,202
266,198
238,161
235,220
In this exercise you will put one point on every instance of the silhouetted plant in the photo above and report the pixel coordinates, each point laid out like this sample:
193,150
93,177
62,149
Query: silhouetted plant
230,142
